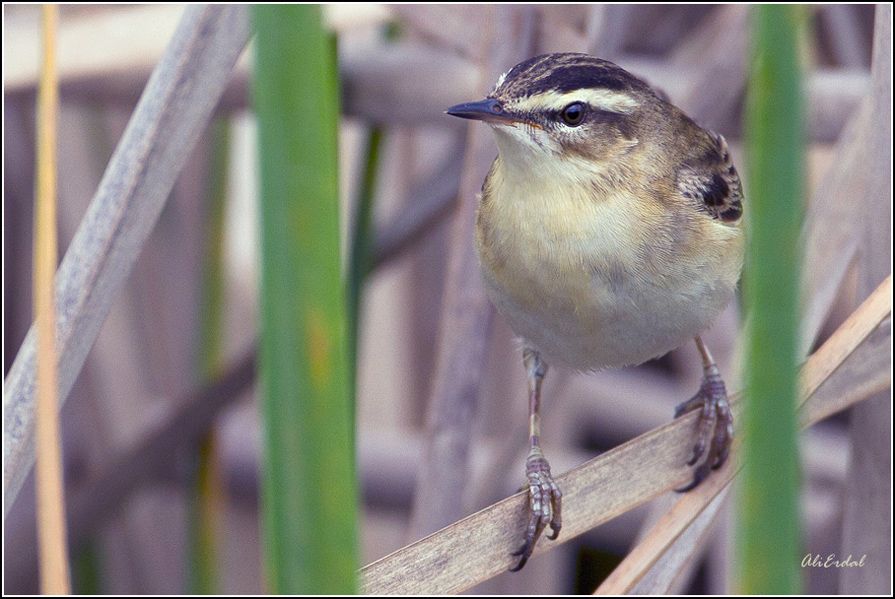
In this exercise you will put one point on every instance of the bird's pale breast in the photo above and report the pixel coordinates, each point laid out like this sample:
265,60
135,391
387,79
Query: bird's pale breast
594,283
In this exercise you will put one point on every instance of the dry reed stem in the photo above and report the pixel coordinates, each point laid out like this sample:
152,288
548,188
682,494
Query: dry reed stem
172,112
675,521
53,555
478,547
669,527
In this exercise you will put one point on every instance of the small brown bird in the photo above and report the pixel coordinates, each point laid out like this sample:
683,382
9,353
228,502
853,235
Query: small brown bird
609,232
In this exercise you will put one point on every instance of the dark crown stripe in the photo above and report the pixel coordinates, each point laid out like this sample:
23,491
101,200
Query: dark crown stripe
567,72
566,79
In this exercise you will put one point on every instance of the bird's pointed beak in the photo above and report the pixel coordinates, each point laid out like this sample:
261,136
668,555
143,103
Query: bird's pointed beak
483,110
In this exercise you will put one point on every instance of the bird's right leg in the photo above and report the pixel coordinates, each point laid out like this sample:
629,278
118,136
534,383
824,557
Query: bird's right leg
715,428
544,496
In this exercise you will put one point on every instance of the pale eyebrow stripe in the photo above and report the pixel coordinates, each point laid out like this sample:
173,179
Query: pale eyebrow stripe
601,99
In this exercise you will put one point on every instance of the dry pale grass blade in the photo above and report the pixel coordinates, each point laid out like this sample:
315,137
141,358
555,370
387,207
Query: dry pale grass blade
847,337
674,541
175,107
863,374
860,372
54,575
479,546
691,505
856,353
670,570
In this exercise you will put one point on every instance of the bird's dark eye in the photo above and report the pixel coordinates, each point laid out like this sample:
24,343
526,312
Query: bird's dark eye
573,114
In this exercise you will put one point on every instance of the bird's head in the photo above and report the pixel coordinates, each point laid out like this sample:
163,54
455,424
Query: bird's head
554,109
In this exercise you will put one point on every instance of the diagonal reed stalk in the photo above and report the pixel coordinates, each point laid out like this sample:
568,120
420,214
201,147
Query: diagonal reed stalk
54,572
479,546
175,106
768,503
309,496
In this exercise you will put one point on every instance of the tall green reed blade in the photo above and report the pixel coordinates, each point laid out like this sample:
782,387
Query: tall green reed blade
361,256
207,494
309,495
768,507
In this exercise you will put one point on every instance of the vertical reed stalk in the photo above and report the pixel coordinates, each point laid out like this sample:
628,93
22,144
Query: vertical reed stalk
768,508
309,496
54,571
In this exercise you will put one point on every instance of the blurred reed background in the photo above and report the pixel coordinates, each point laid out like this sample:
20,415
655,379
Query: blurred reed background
172,368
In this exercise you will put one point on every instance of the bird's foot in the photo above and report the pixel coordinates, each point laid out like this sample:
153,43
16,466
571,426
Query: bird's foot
715,429
545,505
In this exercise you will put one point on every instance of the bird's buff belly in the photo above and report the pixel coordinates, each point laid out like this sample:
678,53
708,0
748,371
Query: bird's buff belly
591,319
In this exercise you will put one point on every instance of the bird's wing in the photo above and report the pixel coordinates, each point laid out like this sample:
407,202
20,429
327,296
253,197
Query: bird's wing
712,182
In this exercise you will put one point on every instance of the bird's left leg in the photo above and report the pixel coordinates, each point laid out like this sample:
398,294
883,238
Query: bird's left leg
715,430
544,496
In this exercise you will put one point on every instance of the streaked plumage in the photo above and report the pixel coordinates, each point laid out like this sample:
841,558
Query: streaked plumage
609,232
611,255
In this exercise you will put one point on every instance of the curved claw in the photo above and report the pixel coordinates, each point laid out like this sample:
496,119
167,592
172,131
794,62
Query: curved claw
521,563
527,547
699,475
555,527
715,428
545,505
